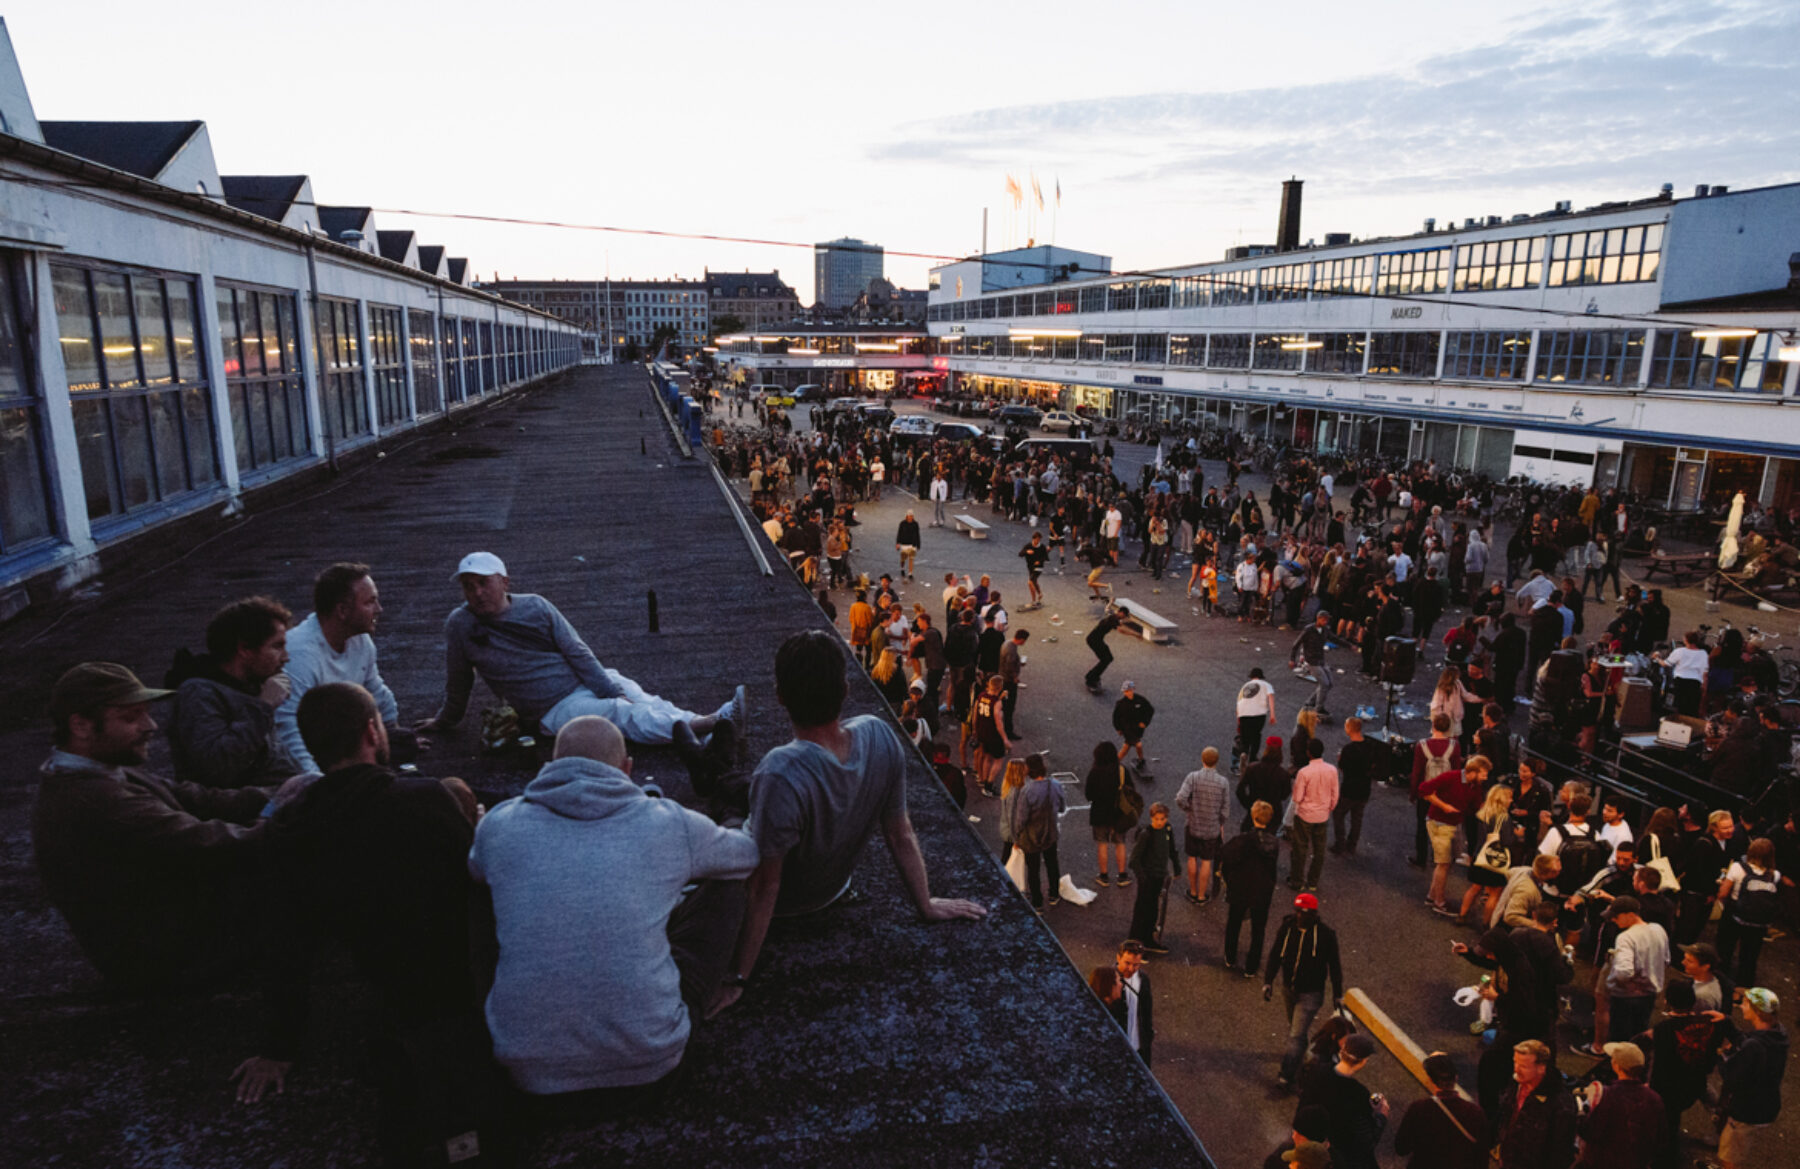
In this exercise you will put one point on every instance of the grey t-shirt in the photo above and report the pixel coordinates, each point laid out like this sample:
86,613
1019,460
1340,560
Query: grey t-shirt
817,812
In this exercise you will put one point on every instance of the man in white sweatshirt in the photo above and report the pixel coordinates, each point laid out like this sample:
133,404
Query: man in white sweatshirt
335,644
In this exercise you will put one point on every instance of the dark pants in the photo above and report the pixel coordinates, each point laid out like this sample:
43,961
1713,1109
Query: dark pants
1307,859
1249,736
1103,657
1687,697
1046,859
1234,921
1009,702
1351,812
1691,918
1630,1016
1147,910
1421,843
1746,942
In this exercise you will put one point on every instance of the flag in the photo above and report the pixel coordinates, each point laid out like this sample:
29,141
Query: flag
1059,190
1037,192
1013,192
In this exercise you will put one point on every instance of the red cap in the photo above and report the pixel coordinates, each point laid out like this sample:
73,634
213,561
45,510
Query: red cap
1272,741
1306,901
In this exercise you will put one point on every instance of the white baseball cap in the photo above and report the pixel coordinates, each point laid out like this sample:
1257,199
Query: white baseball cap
480,564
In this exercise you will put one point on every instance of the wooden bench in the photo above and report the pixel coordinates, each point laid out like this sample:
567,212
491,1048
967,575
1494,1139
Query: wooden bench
1680,567
1142,622
976,529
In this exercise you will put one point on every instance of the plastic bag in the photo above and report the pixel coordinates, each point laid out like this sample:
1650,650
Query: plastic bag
1074,894
1015,868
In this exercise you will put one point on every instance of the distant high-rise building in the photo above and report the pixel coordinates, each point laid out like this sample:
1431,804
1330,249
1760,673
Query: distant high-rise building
842,269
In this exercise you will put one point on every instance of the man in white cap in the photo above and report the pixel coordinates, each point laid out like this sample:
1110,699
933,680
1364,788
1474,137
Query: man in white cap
532,657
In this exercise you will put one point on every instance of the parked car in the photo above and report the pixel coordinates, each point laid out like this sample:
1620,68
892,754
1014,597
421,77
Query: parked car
873,414
1027,416
957,431
809,393
912,426
1060,420
773,395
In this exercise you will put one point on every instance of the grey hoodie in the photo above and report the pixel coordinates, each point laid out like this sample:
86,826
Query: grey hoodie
585,869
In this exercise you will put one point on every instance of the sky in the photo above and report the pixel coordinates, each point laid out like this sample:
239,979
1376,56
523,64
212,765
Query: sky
1168,126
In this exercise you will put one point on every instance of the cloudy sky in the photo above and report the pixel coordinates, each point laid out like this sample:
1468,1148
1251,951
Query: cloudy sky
1168,125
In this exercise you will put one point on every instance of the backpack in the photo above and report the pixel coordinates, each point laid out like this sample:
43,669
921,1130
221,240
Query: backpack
1581,857
1435,764
1758,898
1131,801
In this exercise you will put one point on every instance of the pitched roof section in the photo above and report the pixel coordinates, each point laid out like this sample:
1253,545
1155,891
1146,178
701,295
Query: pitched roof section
270,196
431,258
335,221
144,149
395,245
459,270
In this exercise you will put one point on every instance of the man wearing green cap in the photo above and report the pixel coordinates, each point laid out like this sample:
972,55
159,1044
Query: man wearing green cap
151,874
1750,1077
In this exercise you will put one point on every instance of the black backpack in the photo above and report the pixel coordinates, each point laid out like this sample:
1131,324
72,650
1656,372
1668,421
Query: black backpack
1581,857
1758,898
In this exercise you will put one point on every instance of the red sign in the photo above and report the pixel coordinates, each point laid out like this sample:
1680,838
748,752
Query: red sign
940,363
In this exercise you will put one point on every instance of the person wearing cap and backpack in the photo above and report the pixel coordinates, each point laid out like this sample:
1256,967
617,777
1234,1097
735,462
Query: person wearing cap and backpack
1432,757
534,660
1304,954
154,876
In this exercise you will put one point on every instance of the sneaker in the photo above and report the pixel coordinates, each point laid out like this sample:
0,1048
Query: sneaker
1101,880
1589,1051
1443,910
1053,901
1249,973
1231,965
1122,880
1155,948
1194,898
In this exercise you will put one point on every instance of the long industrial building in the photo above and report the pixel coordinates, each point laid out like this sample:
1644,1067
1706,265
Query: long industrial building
172,340
1649,344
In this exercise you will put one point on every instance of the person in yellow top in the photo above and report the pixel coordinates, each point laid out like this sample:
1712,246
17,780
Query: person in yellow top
862,623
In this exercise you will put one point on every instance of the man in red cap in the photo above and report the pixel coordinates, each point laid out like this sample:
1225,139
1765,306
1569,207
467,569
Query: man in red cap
151,874
1305,954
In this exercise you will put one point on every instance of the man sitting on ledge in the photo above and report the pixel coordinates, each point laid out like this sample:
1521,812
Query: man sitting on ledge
154,876
531,656
816,800
587,872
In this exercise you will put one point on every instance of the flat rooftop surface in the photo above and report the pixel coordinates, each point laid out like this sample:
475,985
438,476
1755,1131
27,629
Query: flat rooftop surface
866,1038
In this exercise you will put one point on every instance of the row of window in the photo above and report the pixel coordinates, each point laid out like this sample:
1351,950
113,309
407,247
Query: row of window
1619,255
1596,357
141,396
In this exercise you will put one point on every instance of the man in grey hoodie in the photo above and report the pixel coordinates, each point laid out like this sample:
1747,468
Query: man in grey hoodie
586,870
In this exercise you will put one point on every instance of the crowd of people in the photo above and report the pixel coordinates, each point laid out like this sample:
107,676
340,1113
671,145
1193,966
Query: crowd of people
290,827
1354,557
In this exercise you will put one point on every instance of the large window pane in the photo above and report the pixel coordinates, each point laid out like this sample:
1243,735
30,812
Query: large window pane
153,330
93,441
181,329
75,325
23,514
131,444
118,344
165,430
203,460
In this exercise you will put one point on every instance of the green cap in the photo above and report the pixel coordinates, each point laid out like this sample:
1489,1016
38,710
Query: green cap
92,685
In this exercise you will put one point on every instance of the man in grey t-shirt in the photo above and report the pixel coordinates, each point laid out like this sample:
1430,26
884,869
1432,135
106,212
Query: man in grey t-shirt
815,801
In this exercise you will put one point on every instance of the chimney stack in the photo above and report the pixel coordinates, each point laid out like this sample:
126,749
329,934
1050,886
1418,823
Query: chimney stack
1287,231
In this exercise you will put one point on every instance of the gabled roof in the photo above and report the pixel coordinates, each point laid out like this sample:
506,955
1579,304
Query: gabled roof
431,256
734,285
394,244
144,149
459,268
270,196
335,221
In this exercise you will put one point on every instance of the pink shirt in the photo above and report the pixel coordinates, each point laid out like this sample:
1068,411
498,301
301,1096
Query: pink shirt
1315,792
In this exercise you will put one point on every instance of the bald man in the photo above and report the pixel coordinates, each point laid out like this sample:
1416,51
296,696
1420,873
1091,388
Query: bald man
603,964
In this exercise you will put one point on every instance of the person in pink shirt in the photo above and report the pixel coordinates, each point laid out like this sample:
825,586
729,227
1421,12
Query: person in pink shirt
1315,795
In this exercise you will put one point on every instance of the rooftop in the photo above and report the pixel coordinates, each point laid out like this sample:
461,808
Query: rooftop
865,1039
140,148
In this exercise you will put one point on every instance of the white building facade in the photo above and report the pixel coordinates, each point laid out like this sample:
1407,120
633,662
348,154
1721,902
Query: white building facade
163,352
1650,345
